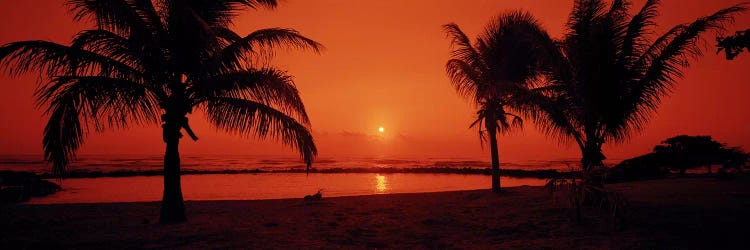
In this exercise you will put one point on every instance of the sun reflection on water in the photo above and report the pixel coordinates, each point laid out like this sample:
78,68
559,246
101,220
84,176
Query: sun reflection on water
381,183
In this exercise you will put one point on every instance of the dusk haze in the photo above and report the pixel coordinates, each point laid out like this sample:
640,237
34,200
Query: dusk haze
333,124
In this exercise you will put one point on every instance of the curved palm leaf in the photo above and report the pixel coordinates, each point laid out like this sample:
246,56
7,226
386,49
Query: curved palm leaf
260,44
63,134
268,86
218,13
245,117
75,102
139,18
56,59
464,78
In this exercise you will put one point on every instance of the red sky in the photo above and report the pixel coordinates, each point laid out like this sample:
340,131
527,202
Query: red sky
384,66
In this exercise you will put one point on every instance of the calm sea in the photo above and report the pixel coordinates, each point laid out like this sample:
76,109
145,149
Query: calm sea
266,185
140,163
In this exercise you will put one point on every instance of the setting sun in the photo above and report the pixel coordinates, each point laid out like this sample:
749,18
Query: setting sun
381,129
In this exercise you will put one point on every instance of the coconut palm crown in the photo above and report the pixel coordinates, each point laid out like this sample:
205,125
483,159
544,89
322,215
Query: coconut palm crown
147,62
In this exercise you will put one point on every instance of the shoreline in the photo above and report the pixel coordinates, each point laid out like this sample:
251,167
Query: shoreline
267,186
663,214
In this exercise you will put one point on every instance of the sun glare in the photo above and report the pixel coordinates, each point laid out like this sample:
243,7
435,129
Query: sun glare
381,129
381,183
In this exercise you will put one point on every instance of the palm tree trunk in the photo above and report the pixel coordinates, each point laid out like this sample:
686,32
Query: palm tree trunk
592,155
495,160
172,205
592,175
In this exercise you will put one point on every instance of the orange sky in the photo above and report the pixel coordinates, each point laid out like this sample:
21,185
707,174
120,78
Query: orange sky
384,66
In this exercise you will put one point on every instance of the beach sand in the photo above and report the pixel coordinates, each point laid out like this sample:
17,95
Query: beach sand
697,213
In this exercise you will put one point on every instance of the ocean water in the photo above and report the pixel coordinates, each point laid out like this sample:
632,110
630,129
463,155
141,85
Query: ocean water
218,163
267,184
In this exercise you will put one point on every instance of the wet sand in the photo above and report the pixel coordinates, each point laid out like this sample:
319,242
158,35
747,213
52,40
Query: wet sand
696,213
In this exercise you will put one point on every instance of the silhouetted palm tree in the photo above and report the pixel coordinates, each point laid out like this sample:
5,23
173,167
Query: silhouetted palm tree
497,72
608,74
150,61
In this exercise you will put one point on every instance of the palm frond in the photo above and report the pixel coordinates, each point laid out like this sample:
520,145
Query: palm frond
479,124
635,41
63,134
143,55
55,59
132,17
111,45
616,22
75,102
512,47
666,59
260,44
508,123
584,14
465,79
227,35
245,117
105,102
462,49
267,86
218,12
551,110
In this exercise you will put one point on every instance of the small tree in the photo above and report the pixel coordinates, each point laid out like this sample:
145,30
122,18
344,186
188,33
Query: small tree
683,152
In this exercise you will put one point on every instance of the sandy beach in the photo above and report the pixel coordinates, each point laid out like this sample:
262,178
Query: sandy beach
700,213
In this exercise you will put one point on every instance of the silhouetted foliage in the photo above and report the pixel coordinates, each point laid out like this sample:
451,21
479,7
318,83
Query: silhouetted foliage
644,167
20,186
497,73
609,75
606,77
149,62
578,193
679,153
685,152
734,45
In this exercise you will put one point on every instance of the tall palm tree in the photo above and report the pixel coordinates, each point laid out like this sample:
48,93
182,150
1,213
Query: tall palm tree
609,76
149,62
497,73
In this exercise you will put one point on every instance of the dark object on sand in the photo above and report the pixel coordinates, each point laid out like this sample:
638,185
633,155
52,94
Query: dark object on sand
315,197
20,186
